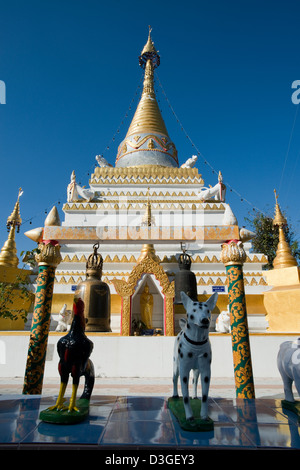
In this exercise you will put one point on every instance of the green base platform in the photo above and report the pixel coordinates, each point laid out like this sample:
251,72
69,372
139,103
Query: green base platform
198,424
65,416
293,406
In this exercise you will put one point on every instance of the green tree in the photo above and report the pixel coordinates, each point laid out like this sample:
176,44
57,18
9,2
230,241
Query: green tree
267,237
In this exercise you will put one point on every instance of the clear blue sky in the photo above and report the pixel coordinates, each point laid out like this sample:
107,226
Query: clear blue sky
71,71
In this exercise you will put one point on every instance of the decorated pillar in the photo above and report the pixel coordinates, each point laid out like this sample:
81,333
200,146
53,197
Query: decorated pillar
48,259
233,256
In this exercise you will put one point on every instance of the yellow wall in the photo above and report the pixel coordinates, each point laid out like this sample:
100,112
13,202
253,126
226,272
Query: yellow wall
60,299
283,307
255,303
8,274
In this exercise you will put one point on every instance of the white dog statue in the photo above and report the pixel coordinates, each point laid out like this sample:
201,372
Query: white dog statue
223,322
192,351
288,363
64,319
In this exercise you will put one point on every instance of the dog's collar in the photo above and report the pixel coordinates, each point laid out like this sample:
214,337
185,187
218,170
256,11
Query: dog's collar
195,343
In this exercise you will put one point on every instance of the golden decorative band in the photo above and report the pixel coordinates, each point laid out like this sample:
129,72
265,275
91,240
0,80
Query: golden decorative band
145,171
217,233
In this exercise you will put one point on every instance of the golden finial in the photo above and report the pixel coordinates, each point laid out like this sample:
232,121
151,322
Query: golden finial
148,248
147,117
8,255
147,218
15,218
152,144
149,53
284,257
279,219
53,217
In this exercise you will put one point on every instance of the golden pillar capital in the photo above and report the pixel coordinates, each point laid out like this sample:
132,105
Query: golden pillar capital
233,253
49,254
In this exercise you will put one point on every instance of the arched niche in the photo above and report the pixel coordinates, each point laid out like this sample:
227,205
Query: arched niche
155,290
127,289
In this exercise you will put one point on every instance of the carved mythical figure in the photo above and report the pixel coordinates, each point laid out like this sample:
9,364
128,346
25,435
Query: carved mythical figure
71,189
223,321
190,162
146,303
75,192
102,162
218,191
64,319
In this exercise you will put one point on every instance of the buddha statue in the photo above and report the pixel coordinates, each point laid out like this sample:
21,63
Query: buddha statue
146,304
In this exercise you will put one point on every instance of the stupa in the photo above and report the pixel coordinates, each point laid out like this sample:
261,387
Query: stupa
147,180
282,299
18,301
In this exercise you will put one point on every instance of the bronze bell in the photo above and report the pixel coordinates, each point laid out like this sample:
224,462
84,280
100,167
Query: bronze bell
95,295
185,279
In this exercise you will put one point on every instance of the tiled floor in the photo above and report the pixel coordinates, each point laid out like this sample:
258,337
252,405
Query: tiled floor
267,387
131,422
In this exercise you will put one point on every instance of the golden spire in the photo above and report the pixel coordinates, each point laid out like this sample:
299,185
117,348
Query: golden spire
147,116
148,248
147,141
8,255
284,257
147,218
279,219
149,46
15,218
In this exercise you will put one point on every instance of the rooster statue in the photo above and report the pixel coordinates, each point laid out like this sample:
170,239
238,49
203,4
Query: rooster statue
74,350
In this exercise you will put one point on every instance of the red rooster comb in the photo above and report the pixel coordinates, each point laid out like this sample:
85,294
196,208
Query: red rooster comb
78,306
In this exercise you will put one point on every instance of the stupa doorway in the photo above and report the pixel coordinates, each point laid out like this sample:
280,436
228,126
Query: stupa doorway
147,269
148,288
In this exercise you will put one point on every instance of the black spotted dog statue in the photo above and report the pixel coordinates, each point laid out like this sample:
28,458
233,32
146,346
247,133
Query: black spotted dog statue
192,351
